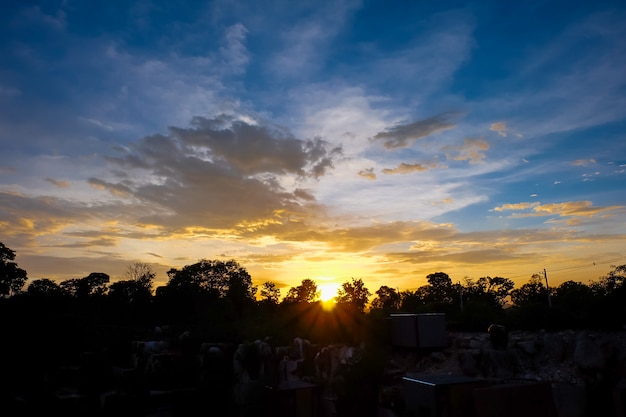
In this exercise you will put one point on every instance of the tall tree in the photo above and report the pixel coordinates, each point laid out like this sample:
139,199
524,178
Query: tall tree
487,290
607,284
387,298
92,285
44,287
354,293
306,292
12,277
142,273
137,287
218,279
533,292
441,290
270,293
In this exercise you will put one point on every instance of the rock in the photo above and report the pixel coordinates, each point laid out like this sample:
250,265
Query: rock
587,355
528,347
502,364
468,363
554,346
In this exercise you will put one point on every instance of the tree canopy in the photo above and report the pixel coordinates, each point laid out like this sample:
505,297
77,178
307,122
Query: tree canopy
306,292
12,277
354,293
215,278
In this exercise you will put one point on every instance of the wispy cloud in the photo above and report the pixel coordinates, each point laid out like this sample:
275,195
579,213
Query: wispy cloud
564,209
404,135
368,173
58,183
405,168
472,150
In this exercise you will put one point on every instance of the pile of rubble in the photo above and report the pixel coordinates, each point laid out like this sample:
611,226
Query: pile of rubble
565,356
577,364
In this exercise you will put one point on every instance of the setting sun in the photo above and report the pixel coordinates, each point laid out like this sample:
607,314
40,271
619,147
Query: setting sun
328,291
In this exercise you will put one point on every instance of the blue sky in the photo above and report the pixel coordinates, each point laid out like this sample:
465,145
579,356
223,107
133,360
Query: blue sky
326,140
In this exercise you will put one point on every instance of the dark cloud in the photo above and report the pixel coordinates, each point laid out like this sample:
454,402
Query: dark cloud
219,173
402,136
254,149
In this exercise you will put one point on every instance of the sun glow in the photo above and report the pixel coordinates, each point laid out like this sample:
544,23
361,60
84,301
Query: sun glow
328,291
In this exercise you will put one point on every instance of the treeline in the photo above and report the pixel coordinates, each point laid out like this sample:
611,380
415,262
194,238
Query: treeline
219,300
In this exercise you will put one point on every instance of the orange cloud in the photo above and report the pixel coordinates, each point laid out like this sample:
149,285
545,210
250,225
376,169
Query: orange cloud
404,168
499,127
368,173
470,150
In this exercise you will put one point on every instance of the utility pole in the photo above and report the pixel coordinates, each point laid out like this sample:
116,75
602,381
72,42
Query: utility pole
545,275
461,295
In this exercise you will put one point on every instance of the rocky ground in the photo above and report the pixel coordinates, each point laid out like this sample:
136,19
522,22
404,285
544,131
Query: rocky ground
583,367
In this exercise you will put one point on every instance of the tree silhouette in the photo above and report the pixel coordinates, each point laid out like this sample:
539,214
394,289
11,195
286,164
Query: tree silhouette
441,290
92,285
611,282
12,278
354,293
306,292
387,298
487,290
533,292
44,287
214,278
141,273
270,293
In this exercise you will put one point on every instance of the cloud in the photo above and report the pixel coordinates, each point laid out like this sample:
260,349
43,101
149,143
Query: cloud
516,206
251,149
575,208
470,150
499,127
35,16
405,168
118,190
60,184
565,209
369,237
221,172
103,241
368,173
234,51
303,46
402,136
583,162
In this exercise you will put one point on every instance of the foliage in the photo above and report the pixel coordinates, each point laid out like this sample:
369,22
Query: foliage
611,282
354,293
12,277
44,287
306,292
440,288
270,292
487,290
92,285
219,297
216,278
533,292
137,287
142,273
387,298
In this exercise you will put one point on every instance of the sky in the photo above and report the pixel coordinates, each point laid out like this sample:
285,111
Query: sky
328,140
